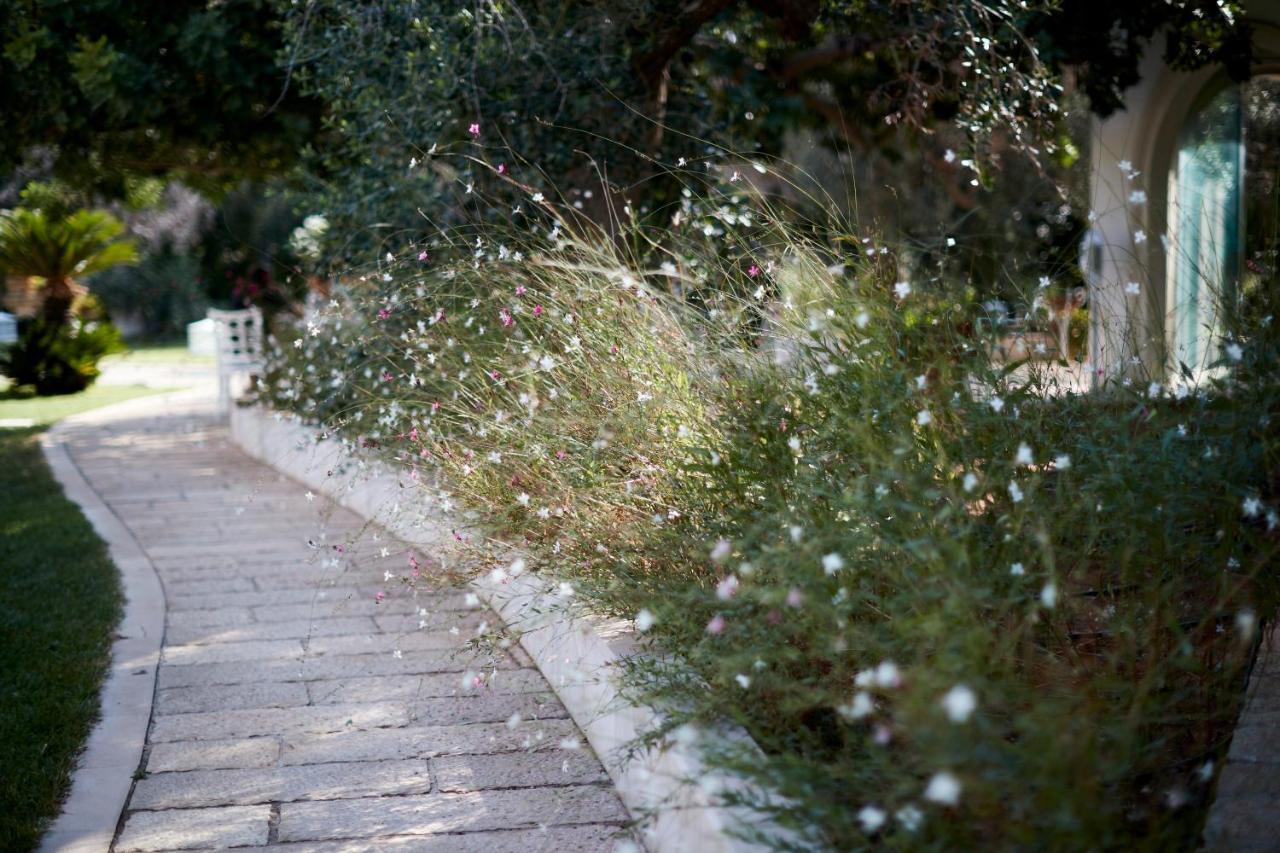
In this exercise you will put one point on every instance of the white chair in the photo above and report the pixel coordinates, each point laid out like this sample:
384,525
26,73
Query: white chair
240,336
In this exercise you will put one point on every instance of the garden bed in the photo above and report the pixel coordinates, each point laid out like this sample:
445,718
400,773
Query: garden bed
951,608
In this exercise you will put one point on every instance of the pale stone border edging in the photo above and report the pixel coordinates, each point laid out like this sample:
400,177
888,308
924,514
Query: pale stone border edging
578,655
105,769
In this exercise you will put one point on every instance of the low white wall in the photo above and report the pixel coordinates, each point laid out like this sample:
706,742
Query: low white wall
579,655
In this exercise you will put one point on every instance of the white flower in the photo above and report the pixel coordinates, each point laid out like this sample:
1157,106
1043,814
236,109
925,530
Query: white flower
1234,351
513,721
1024,456
910,817
860,707
949,156
959,703
943,788
645,620
547,362
311,496
727,588
1139,237
522,499
862,319
1015,493
1017,570
970,481
902,289
1132,288
1245,623
723,548
1137,197
1252,507
796,532
794,443
923,417
1125,167
871,818
1062,462
996,404
1044,281
1049,595
537,198
744,681
888,675
832,563
1153,390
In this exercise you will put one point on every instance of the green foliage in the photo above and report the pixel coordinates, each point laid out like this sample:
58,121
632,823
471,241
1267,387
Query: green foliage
34,243
955,607
246,257
59,357
122,87
59,602
164,291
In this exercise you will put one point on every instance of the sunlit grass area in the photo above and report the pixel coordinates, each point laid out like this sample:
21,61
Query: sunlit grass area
42,411
52,658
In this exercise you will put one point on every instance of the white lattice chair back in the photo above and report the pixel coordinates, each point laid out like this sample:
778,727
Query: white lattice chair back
239,336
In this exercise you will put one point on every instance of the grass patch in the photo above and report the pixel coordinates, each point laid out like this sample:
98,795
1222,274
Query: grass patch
42,411
158,354
59,601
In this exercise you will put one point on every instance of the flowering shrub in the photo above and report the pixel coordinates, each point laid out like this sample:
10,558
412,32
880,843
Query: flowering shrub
955,609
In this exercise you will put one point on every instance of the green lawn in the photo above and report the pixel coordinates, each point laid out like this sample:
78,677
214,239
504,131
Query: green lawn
42,411
157,354
59,603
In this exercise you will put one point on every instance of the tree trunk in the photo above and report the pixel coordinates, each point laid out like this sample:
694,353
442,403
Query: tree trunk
58,297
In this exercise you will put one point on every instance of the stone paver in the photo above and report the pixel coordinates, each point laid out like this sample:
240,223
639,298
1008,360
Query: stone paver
293,709
1245,816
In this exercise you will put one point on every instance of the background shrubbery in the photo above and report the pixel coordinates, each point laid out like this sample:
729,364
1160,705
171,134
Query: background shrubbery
954,608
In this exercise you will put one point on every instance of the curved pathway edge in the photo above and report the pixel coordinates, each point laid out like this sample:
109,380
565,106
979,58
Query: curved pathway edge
105,770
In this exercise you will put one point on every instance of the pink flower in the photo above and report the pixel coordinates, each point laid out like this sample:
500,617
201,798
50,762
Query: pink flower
753,271
493,374
795,597
520,291
384,313
474,130
537,310
435,407
422,256
560,454
386,377
716,625
381,595
502,168
505,316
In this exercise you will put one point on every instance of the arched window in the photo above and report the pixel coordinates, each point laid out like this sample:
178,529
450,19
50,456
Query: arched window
1224,216
1205,227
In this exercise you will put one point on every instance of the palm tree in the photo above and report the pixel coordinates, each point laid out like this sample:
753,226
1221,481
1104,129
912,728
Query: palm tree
56,250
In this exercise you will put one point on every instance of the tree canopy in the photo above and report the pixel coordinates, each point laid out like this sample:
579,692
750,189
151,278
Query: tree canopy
173,87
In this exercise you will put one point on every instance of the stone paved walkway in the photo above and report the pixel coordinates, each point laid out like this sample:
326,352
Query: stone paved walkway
294,711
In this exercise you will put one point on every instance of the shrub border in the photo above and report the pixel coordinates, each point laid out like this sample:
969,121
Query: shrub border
579,655
104,772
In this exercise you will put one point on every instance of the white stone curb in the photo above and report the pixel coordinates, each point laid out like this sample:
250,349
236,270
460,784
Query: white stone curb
578,655
104,771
